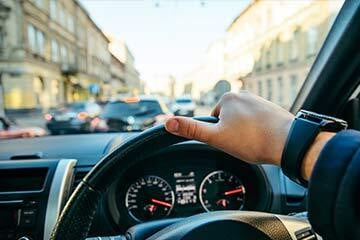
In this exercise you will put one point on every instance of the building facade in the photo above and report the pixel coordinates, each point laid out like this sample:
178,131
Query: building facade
51,53
131,77
272,54
268,49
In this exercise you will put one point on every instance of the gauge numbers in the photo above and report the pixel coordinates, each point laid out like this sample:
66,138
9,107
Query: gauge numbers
222,190
149,198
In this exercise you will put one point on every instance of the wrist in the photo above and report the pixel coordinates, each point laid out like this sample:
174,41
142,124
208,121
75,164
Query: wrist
313,153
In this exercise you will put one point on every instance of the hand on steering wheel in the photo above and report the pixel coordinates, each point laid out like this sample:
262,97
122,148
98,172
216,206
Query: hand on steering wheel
249,128
78,214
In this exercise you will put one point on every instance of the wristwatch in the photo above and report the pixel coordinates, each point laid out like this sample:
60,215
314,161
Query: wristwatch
303,131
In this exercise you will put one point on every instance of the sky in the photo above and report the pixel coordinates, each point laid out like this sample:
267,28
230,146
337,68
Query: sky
165,36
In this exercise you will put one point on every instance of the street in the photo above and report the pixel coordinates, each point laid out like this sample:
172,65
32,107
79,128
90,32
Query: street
38,120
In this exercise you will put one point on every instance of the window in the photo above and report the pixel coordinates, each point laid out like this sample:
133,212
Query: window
280,84
269,87
293,87
268,58
258,65
260,90
62,16
36,40
294,46
279,52
2,40
40,42
70,23
312,36
54,51
64,54
31,37
82,62
53,9
39,3
71,57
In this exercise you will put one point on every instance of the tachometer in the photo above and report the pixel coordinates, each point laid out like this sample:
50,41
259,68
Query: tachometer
149,198
222,190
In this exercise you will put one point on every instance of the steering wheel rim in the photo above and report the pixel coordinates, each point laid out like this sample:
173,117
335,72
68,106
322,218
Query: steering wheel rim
78,213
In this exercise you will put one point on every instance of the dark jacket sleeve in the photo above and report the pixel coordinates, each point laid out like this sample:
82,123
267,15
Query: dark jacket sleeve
333,201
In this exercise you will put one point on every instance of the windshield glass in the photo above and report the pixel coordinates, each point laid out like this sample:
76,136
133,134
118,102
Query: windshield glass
139,109
67,65
183,100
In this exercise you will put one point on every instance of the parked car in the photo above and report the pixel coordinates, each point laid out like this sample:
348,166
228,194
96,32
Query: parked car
9,129
72,118
131,114
184,106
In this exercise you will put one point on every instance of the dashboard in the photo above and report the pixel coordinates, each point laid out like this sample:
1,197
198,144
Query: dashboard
175,182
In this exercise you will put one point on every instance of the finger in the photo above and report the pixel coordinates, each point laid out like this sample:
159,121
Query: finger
191,129
216,110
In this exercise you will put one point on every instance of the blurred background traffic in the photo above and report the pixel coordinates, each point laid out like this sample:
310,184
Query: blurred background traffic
92,66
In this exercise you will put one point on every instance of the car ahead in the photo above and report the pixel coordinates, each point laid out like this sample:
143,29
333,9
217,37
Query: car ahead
184,106
72,118
9,130
131,114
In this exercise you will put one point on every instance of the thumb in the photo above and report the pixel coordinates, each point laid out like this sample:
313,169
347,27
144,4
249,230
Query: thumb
191,129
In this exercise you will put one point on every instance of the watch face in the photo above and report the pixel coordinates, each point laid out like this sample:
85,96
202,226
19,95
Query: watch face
328,123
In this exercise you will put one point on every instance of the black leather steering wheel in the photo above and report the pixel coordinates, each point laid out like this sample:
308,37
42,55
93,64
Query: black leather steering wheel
77,216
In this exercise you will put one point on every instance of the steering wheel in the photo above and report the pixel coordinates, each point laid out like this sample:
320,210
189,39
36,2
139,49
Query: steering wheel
78,214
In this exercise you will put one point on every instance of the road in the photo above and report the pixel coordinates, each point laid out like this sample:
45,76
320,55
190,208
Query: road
38,120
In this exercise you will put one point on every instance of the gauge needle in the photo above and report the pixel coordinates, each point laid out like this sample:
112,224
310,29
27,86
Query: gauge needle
231,192
162,203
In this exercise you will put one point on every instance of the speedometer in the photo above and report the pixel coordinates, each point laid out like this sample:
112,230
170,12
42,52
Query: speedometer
149,198
221,190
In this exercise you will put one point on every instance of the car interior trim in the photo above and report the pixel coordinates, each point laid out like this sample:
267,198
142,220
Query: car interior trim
59,191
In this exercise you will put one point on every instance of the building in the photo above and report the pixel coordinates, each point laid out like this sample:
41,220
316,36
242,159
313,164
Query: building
209,71
51,52
272,45
268,49
131,76
117,83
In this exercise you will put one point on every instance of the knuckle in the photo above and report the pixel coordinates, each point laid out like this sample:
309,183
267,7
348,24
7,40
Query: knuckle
188,130
229,96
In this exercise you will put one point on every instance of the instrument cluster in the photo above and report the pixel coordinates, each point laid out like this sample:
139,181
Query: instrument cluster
171,187
152,197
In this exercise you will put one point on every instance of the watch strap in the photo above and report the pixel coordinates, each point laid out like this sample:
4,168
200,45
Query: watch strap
301,135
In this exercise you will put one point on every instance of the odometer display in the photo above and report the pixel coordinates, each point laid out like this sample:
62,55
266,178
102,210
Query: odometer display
149,198
221,190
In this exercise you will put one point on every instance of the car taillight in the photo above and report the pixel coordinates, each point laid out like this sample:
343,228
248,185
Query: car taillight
98,124
82,115
48,117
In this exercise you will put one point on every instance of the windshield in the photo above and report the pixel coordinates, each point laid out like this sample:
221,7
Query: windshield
57,56
79,106
183,101
139,109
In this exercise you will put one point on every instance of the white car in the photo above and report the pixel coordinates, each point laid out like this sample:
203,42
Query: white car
183,106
